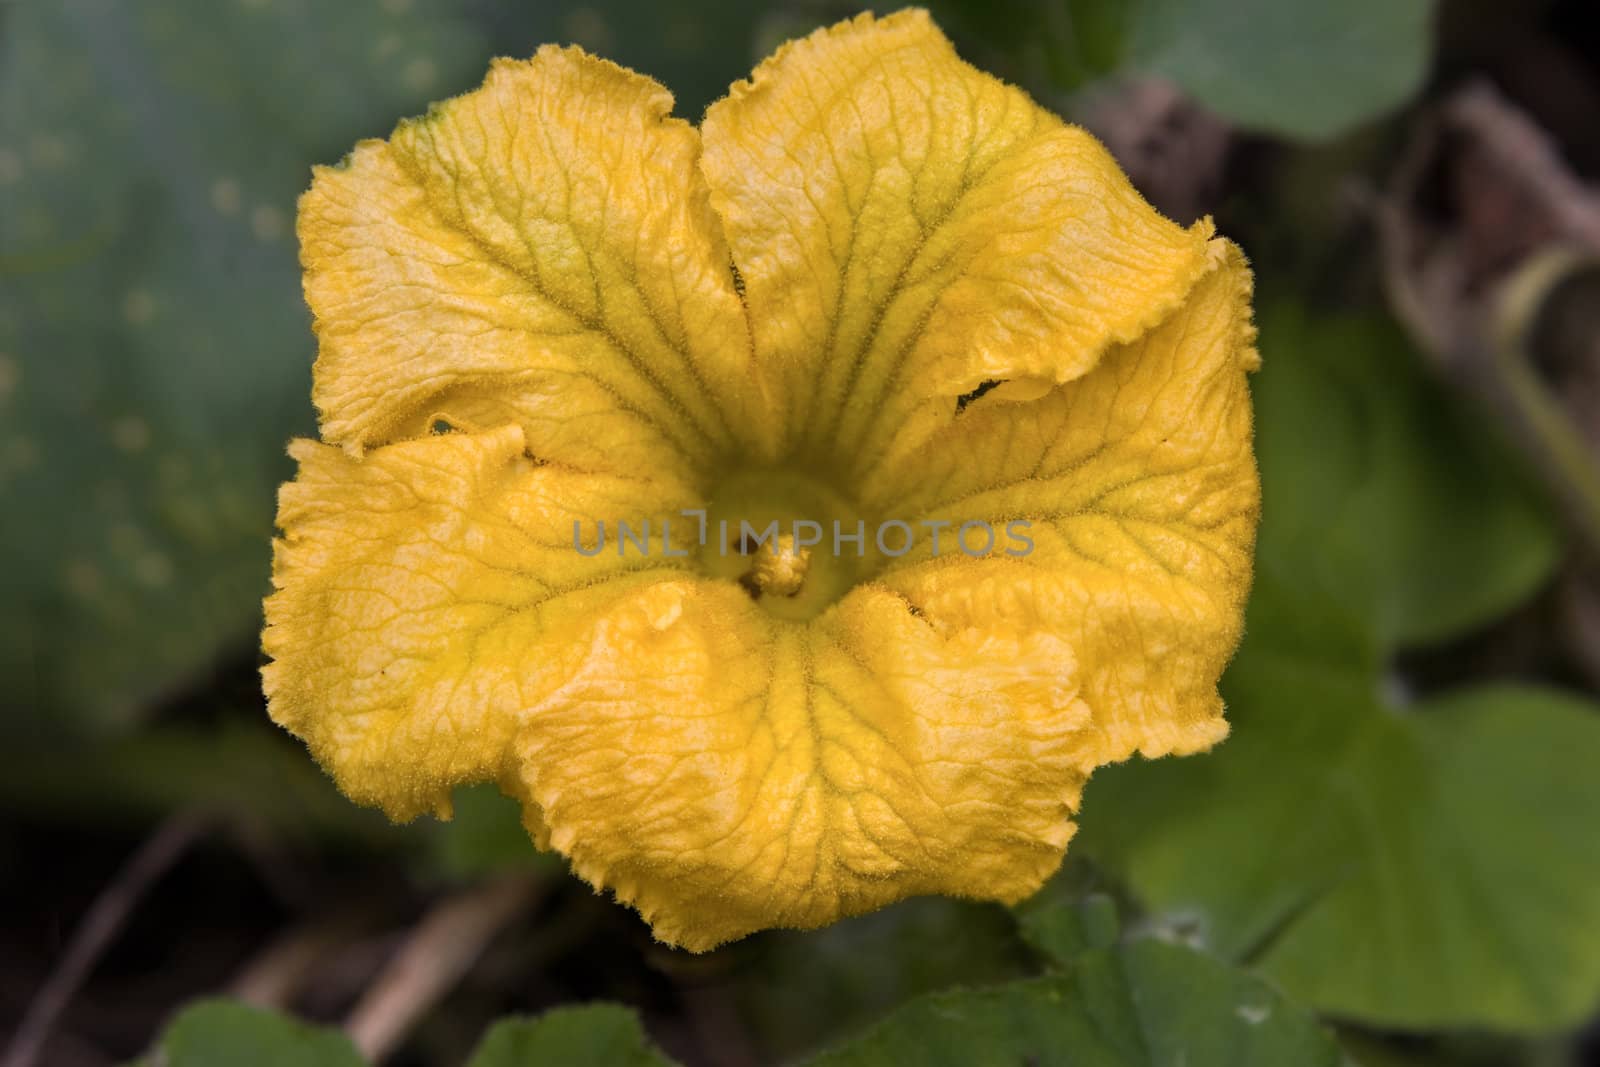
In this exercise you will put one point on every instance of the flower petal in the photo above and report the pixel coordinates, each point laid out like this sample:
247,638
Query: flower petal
433,626
908,227
725,773
420,592
1141,489
539,251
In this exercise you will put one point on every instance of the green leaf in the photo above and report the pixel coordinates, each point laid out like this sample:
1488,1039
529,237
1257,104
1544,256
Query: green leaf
154,345
801,990
1070,916
696,48
485,835
153,339
1061,930
1427,868
246,770
595,1033
1065,44
1488,800
1381,492
1417,863
1140,1005
1303,68
214,1032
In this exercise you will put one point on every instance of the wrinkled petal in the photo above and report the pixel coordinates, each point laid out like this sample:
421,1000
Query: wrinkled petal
1140,488
908,227
433,626
725,773
420,591
539,251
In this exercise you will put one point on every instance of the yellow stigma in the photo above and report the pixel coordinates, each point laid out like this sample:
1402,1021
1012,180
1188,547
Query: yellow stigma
781,567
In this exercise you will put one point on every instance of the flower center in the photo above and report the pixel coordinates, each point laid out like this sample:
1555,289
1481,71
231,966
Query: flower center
780,569
793,542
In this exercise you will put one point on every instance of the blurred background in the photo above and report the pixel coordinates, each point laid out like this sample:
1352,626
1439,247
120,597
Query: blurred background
1403,836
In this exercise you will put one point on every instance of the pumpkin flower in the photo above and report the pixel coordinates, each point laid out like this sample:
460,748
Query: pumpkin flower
877,291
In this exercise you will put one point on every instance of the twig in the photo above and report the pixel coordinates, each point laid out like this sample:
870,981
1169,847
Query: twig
1435,272
274,977
434,957
715,1022
1538,414
99,928
1479,287
1529,156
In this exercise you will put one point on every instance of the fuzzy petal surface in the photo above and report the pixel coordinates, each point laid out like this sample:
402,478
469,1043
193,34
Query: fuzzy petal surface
539,251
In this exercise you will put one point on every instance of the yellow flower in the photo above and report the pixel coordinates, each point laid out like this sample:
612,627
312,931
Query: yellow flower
548,308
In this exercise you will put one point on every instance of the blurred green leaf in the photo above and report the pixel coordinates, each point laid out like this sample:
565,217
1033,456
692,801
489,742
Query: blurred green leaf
1419,863
696,48
606,1034
1298,67
1430,867
154,345
247,770
153,340
1140,1005
212,1033
225,1033
802,989
1302,68
1063,927
1065,44
1381,493
485,836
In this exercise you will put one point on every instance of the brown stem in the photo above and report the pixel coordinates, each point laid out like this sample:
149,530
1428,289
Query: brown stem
434,957
99,927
